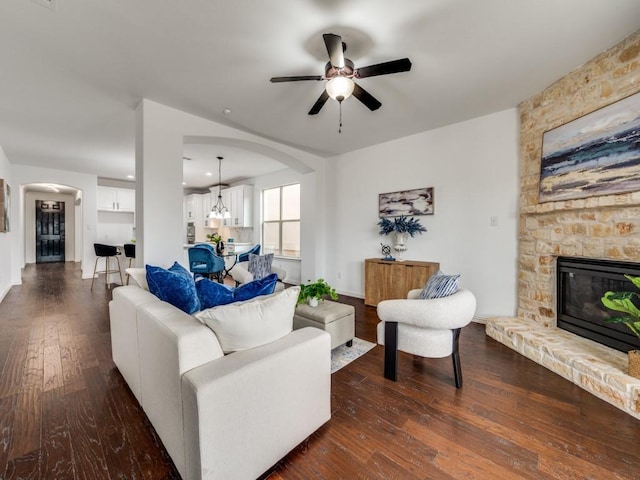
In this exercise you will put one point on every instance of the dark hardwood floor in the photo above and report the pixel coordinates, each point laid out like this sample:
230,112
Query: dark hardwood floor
65,411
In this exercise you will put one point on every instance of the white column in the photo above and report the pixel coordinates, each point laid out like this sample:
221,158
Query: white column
159,235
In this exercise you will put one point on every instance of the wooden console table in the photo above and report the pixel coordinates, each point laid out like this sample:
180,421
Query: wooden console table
384,280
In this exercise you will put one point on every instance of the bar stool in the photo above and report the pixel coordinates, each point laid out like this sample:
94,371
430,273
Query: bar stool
130,253
107,252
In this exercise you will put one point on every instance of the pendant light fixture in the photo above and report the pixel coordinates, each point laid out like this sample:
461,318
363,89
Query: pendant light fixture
219,210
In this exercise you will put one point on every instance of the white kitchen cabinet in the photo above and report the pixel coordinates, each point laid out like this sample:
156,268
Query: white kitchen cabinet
205,200
227,201
190,208
126,199
196,210
239,201
106,198
113,199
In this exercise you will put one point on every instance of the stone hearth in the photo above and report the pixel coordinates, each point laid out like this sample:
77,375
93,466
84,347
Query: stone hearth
598,369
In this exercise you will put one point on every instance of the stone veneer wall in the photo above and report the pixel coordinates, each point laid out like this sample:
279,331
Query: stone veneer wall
597,227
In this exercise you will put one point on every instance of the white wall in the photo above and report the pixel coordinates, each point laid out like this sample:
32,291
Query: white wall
473,167
115,228
6,237
161,132
30,224
78,205
24,174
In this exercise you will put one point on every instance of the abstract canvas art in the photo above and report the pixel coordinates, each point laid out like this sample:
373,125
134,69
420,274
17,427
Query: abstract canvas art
407,202
5,206
598,154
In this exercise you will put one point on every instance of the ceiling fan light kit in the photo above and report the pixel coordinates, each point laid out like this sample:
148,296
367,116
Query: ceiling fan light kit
340,88
340,73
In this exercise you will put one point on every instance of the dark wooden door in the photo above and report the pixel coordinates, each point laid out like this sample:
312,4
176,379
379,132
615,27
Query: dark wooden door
49,231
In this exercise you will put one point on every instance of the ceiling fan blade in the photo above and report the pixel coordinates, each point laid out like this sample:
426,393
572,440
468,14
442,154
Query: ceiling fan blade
295,79
394,66
319,103
334,49
365,97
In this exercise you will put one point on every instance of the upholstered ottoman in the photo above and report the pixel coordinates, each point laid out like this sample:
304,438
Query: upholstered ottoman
335,318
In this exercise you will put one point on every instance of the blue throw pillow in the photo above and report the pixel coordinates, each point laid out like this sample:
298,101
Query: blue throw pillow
440,285
174,286
264,286
212,294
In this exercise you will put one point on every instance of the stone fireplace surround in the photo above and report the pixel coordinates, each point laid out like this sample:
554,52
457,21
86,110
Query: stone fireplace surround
606,227
598,369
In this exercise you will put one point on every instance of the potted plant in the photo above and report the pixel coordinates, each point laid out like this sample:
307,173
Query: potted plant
403,227
213,237
623,302
313,292
217,240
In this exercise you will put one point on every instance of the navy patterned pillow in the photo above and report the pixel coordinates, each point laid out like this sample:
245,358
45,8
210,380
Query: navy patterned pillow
260,265
440,285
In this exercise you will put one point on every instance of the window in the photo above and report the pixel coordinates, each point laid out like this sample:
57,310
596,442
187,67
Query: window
281,221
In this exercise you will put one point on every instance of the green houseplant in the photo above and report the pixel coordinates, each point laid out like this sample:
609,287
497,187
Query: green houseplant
213,238
313,291
623,302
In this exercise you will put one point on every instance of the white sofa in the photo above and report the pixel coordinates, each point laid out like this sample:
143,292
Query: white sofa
219,416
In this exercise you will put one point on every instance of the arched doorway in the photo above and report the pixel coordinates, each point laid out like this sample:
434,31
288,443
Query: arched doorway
52,223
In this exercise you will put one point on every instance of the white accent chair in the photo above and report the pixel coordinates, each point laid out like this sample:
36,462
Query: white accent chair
427,328
241,274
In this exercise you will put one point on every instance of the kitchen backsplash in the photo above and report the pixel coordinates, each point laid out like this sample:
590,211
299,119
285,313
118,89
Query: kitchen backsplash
239,235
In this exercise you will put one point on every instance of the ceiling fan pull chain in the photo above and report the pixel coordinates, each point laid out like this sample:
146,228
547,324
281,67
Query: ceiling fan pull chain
340,127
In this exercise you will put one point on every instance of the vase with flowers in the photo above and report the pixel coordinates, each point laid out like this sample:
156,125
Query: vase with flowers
404,228
216,239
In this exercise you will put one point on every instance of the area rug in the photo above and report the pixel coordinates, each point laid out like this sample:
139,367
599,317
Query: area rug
343,355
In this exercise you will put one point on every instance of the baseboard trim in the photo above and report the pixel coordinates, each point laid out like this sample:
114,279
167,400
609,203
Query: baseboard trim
351,294
4,293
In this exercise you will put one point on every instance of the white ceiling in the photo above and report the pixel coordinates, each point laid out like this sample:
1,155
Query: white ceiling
51,188
70,78
237,165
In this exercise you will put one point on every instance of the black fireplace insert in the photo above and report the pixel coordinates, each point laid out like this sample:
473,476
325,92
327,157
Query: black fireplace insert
581,284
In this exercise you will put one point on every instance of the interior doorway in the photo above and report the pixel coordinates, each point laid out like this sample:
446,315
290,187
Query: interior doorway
50,231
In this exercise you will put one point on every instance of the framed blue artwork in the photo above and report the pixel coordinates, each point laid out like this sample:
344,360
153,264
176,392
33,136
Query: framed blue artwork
597,154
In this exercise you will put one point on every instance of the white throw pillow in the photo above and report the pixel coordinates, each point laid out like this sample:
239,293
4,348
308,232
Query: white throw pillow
140,276
256,322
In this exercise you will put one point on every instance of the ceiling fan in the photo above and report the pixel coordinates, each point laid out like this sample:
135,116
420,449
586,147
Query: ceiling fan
341,72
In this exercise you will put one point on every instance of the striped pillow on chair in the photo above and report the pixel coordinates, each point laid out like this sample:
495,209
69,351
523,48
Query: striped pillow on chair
440,285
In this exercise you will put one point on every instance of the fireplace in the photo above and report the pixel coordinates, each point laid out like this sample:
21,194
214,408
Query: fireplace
581,284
